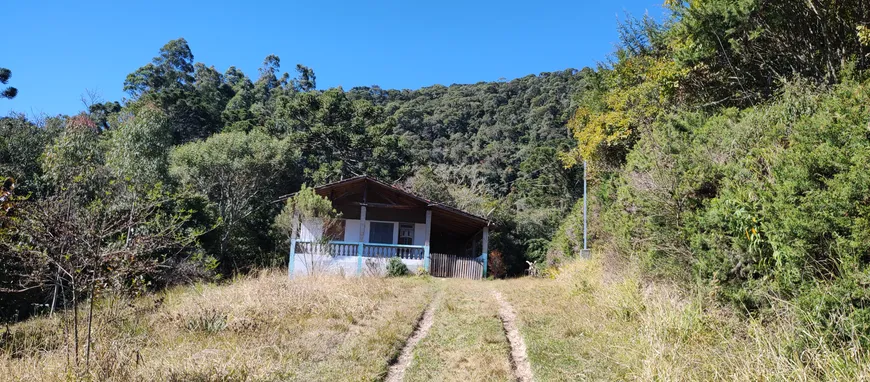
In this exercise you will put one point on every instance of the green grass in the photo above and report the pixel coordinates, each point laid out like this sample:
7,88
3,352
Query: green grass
466,341
589,324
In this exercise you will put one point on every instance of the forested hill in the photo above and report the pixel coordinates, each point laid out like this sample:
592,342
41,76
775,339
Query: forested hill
486,131
196,158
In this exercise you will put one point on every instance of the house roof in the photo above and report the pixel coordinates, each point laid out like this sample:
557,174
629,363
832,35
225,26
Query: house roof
442,213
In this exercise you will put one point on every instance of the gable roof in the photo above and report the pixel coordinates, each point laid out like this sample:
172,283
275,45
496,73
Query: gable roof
443,213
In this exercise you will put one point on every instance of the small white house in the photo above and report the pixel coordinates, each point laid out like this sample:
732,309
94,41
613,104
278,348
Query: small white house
379,221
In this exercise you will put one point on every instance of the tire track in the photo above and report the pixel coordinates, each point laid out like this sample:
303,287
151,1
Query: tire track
519,358
396,372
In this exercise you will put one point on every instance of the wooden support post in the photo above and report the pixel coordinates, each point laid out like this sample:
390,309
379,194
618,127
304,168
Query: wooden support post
426,252
292,260
485,249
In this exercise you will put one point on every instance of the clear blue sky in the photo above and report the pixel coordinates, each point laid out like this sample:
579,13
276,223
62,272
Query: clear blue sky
58,49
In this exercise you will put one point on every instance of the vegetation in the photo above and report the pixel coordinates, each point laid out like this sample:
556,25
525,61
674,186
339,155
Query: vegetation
602,321
396,268
728,150
466,341
261,327
728,147
214,154
10,92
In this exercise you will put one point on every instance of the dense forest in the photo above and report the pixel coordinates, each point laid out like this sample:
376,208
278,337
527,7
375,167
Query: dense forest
182,180
728,145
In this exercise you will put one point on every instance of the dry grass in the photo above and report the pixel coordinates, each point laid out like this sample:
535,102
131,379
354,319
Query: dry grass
583,324
260,328
587,324
466,341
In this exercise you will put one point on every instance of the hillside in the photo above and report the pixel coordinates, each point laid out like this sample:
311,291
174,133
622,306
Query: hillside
727,145
594,324
206,155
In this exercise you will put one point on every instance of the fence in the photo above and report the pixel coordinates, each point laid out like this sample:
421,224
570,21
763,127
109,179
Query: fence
455,266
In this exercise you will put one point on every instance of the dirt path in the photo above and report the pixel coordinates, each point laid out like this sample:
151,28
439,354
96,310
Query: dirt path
397,370
519,359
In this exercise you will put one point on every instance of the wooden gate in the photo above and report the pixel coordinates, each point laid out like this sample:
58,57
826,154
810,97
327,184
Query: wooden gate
454,266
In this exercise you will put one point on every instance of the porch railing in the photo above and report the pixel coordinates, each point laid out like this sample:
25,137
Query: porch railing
347,248
440,265
360,250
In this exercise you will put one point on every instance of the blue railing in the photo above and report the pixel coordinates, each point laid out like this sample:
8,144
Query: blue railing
360,250
347,248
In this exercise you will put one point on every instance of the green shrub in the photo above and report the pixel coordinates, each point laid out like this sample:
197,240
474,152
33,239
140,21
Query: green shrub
396,268
760,204
209,321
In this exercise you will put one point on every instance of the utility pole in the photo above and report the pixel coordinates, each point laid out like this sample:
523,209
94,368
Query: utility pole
585,252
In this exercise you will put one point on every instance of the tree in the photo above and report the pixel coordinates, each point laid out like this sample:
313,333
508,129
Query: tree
241,174
192,96
172,70
97,230
82,247
22,143
10,92
138,150
305,206
306,81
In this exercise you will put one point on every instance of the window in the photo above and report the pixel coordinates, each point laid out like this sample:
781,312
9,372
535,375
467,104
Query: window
381,233
406,234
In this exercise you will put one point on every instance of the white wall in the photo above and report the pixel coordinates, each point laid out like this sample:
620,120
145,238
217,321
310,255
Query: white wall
419,234
311,229
351,231
311,265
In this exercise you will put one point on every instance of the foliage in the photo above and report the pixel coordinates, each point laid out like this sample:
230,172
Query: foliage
304,206
396,268
22,144
241,174
138,150
707,55
10,92
208,320
758,204
218,150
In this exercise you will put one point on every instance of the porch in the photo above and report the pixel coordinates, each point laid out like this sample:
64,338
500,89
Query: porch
369,259
379,222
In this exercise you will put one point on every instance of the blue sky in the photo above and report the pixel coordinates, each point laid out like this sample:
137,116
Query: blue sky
59,49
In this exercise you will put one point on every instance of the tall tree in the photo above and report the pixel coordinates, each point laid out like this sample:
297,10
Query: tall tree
241,174
171,81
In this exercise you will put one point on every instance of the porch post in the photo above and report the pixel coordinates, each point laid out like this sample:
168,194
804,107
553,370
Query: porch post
292,260
362,238
426,258
485,249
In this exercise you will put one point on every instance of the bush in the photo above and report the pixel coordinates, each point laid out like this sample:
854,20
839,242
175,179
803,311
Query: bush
762,204
396,268
208,320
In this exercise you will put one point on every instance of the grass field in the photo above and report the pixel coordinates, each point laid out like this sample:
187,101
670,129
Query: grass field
585,323
466,342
